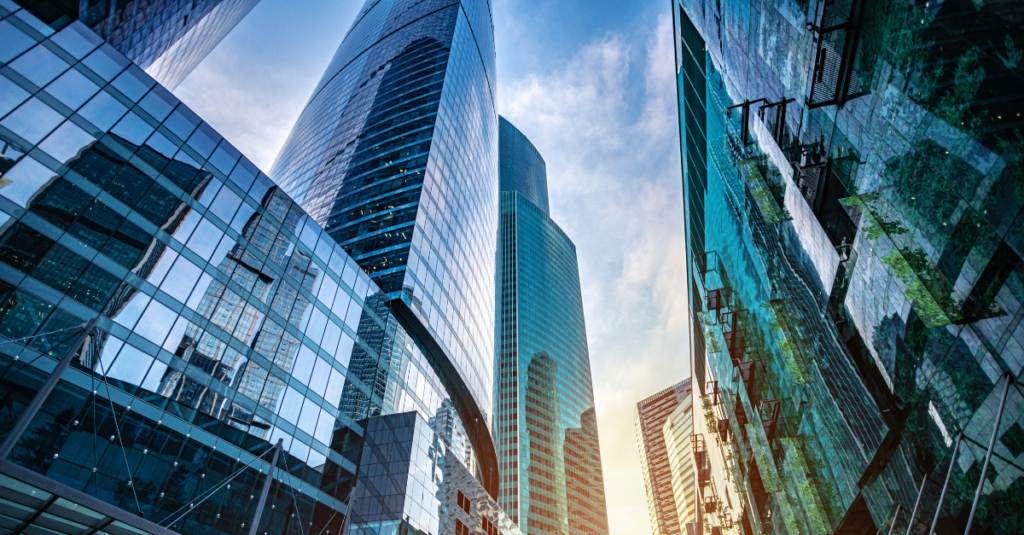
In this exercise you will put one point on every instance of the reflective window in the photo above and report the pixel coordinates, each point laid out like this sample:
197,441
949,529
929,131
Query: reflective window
103,111
11,95
77,40
33,120
39,65
72,88
106,62
12,41
26,179
66,142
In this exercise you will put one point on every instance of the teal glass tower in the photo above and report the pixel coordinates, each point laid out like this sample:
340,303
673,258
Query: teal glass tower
545,422
854,211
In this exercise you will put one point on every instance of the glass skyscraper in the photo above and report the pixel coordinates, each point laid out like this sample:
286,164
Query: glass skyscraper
521,167
214,334
664,428
544,419
395,156
166,38
852,178
679,446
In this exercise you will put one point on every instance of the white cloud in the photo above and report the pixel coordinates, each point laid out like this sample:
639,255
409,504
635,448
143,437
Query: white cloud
252,105
253,85
607,126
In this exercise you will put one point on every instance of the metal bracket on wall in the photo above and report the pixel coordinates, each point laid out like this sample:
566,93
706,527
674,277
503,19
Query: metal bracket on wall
744,118
780,120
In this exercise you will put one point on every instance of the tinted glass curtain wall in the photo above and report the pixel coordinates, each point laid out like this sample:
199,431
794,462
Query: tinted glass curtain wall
167,38
545,422
858,281
521,167
395,155
227,319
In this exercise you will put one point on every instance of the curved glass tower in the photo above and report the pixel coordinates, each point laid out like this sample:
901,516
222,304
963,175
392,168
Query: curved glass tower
544,401
395,155
522,168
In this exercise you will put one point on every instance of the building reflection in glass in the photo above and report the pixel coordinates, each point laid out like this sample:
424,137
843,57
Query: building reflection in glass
545,422
227,319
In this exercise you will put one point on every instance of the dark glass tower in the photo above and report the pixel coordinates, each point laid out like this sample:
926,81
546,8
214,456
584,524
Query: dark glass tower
854,211
544,401
166,38
395,155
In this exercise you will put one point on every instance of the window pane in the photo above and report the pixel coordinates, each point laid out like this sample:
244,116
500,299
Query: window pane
60,268
131,366
94,287
39,65
26,179
61,204
73,89
22,247
156,323
66,142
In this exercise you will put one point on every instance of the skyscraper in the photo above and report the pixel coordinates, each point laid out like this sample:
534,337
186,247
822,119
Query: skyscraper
395,155
521,167
225,365
682,454
544,416
663,432
166,38
853,206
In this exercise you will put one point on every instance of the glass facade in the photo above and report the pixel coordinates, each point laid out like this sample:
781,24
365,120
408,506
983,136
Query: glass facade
663,433
544,422
395,155
678,431
521,167
166,38
411,482
855,263
227,319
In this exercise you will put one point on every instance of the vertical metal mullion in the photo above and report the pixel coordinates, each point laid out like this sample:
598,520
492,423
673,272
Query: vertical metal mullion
942,495
266,488
988,454
917,503
895,517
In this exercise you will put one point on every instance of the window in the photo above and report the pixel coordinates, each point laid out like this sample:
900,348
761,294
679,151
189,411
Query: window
460,528
489,528
463,502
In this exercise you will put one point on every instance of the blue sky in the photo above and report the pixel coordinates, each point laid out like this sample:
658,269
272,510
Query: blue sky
592,85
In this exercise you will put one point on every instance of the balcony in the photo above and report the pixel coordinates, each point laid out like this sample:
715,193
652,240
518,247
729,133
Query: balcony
839,74
701,461
723,430
710,505
718,301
